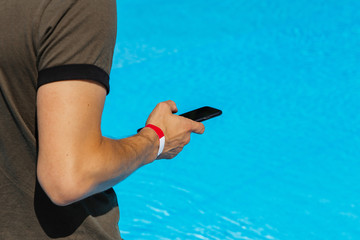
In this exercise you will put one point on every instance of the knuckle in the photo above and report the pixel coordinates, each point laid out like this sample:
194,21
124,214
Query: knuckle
189,126
161,105
187,140
202,127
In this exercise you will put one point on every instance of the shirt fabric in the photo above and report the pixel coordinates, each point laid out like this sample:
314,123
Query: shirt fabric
43,41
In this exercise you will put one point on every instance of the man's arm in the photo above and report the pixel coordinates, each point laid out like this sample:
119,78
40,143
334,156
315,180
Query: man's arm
75,160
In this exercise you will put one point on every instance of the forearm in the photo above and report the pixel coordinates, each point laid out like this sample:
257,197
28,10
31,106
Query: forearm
120,158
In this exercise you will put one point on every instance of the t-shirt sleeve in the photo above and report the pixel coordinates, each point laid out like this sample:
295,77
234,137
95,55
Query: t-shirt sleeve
75,41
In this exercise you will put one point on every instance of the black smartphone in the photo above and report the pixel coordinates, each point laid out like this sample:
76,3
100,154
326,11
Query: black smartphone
202,114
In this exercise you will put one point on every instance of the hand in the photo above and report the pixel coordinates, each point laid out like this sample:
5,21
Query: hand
177,129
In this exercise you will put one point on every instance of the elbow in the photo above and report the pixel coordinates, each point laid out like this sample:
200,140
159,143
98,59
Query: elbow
58,191
59,198
62,189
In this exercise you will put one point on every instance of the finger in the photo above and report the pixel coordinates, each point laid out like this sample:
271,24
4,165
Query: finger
198,127
172,106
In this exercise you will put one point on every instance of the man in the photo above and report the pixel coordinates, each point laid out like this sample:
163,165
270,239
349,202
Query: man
56,169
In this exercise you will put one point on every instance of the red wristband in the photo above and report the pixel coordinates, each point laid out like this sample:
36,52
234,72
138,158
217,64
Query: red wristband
161,136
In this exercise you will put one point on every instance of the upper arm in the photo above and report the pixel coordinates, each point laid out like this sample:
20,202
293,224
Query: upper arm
69,119
75,42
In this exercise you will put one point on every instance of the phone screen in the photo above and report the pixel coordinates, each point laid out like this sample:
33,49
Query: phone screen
202,114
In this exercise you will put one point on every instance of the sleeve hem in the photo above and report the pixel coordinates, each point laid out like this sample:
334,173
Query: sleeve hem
74,72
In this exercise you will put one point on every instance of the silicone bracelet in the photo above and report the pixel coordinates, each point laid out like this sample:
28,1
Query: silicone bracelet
161,136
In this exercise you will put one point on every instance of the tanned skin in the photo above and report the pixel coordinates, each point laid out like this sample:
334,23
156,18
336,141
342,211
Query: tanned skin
76,161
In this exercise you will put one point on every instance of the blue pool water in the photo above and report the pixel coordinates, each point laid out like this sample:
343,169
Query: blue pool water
283,161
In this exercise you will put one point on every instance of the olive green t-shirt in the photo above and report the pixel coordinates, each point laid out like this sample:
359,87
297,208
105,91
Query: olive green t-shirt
42,41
